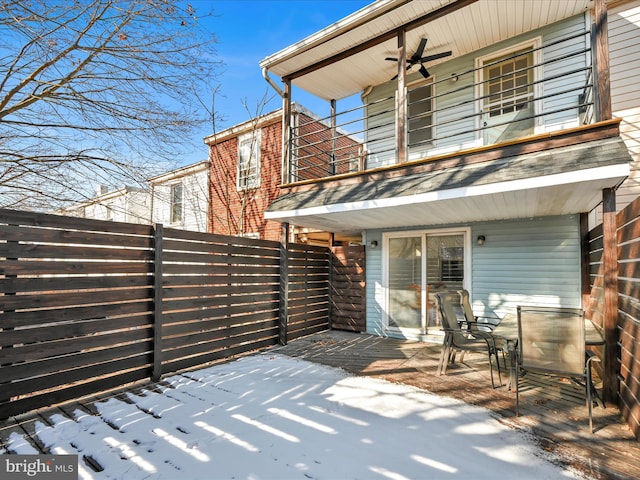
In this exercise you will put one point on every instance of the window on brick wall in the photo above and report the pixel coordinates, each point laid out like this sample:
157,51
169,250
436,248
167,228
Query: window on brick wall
249,161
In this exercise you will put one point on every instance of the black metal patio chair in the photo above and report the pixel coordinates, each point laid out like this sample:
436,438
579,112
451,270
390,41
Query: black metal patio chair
458,339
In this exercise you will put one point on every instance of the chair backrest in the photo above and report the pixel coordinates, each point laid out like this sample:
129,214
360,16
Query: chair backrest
551,339
466,305
444,303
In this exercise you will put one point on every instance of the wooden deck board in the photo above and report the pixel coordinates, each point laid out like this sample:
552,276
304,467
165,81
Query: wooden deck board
555,414
554,411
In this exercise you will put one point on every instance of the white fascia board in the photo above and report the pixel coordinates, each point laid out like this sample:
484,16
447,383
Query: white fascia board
336,29
611,171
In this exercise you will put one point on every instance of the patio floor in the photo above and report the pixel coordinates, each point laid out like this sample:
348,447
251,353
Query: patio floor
556,416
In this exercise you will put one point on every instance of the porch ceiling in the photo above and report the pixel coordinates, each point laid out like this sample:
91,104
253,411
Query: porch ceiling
561,181
467,29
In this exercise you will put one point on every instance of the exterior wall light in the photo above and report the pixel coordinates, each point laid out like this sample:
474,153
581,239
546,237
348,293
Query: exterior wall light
373,244
481,239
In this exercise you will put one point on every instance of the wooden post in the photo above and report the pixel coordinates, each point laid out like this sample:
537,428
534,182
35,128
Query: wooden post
334,140
284,286
602,73
610,285
157,303
401,100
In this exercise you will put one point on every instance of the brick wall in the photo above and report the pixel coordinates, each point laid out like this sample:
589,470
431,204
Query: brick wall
314,145
236,212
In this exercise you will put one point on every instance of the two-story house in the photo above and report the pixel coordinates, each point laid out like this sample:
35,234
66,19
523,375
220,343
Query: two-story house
492,131
180,198
246,173
177,199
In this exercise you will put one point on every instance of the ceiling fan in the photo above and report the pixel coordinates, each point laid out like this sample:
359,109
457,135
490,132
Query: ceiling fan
417,58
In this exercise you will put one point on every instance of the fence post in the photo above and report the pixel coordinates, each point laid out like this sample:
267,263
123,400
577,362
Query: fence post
283,326
610,285
157,302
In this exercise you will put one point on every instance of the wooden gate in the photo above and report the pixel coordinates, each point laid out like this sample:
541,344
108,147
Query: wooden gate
348,303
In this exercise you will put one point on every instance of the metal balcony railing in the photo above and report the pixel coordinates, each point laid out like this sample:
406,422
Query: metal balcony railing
534,90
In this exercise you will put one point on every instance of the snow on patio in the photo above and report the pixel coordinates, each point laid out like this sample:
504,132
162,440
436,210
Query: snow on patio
270,416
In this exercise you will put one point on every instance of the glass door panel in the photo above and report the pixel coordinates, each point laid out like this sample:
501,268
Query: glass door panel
445,268
405,282
419,266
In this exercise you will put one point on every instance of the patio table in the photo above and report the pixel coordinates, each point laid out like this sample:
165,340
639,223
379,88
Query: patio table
507,331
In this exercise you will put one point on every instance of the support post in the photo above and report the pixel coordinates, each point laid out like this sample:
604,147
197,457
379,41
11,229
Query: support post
283,326
602,73
401,100
334,140
610,285
157,302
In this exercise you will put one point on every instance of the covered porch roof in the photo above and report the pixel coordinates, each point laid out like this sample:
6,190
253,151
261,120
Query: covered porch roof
557,181
348,56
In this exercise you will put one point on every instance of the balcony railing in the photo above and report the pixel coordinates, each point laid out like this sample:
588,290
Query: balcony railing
537,89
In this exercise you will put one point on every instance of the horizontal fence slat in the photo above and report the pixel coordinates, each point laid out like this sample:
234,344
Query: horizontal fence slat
79,300
73,391
50,284
29,318
40,300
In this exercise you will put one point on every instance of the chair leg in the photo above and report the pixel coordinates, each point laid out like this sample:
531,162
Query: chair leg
493,385
444,356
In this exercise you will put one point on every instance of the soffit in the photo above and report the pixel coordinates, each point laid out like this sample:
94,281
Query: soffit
561,181
468,29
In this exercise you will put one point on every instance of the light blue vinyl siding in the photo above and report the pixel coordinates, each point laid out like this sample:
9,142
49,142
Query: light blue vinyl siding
456,115
381,127
373,275
522,262
527,262
554,99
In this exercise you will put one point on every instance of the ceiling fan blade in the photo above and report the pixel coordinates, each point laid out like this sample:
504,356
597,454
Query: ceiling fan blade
391,59
416,56
425,73
435,56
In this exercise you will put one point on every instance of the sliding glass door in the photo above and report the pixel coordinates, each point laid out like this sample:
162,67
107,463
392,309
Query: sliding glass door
417,267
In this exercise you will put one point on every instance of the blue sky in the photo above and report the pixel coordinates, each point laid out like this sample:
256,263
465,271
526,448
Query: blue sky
247,32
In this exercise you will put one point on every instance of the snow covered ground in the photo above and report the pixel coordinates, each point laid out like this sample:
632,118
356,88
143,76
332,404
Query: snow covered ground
273,417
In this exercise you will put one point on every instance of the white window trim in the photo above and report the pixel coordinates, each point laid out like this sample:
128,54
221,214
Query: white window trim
386,236
255,137
535,43
182,211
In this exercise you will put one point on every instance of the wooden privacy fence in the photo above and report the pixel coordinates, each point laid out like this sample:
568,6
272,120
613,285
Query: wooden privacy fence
627,354
88,305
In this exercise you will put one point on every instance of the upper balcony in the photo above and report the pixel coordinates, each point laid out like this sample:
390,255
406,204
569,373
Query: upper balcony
457,76
442,85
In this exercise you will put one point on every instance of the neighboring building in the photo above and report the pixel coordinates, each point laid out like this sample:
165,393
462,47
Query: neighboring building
177,199
246,173
491,138
128,204
180,198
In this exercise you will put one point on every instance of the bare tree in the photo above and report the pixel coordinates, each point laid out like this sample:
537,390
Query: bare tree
228,174
96,92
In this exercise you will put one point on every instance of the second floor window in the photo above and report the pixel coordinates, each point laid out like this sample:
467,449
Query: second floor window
508,106
420,113
249,161
176,203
